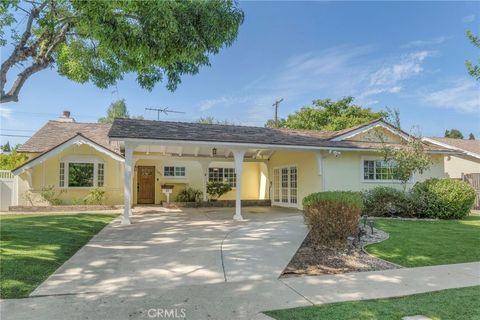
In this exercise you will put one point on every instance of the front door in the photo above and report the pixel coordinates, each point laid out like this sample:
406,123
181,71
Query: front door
285,186
146,185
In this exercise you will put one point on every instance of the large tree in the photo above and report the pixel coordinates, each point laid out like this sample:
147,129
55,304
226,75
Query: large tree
454,134
473,69
101,41
328,115
117,109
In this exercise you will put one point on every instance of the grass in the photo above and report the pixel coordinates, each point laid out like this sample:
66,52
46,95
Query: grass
452,304
414,243
33,246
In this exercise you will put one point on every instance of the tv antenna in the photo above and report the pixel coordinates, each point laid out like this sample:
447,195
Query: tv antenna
164,110
275,104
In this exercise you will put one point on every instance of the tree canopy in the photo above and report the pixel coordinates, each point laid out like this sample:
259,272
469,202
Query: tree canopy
101,41
117,109
213,120
328,115
473,69
13,159
454,134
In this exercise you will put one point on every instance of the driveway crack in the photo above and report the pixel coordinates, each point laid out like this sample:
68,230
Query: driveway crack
297,292
221,252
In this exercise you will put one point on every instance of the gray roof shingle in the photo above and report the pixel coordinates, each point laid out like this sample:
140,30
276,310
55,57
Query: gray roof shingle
466,145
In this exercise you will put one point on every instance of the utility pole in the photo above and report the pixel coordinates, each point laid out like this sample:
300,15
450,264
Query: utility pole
164,110
276,103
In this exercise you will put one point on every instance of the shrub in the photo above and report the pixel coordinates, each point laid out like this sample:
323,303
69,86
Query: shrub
189,195
442,198
386,201
95,196
217,189
332,216
50,194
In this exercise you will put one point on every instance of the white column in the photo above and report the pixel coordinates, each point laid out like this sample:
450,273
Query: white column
204,164
238,155
127,183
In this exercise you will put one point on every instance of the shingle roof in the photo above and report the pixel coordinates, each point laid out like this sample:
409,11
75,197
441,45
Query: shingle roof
184,131
55,132
466,145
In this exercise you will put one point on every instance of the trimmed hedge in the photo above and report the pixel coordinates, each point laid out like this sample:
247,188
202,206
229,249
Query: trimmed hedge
332,216
387,201
442,198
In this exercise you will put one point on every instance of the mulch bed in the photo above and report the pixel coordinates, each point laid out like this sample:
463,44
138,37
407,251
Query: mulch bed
312,259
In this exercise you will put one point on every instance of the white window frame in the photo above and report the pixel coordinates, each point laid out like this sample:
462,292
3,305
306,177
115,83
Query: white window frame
233,185
175,176
81,159
289,202
375,180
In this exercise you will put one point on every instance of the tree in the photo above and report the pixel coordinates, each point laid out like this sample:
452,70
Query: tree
408,158
12,160
473,69
101,41
212,120
117,109
6,147
471,136
454,134
328,115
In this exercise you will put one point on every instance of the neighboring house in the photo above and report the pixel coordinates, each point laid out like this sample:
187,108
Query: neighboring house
283,165
468,160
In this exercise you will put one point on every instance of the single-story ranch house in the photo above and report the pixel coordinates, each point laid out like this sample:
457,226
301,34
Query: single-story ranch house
281,165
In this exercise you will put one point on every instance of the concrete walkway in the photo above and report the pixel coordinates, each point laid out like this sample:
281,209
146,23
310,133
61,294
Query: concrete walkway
181,248
244,299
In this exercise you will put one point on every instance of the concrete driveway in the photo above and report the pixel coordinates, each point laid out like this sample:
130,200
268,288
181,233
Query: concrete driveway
167,248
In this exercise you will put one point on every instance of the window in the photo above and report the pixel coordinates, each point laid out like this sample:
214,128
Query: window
171,171
80,174
378,170
226,175
61,180
100,177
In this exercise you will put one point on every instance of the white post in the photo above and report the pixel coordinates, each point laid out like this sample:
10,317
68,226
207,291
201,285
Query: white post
238,155
127,183
204,164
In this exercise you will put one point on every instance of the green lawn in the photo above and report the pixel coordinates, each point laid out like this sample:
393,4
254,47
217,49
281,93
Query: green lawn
452,304
34,246
426,243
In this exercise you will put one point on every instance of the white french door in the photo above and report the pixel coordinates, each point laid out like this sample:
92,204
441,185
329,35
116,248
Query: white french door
285,186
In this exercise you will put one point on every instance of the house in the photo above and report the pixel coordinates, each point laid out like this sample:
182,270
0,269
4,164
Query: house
467,162
281,165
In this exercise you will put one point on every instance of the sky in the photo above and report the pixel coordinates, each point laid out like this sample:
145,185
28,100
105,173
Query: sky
405,55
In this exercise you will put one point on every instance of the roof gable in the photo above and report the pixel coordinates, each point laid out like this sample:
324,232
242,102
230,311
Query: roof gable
78,139
367,131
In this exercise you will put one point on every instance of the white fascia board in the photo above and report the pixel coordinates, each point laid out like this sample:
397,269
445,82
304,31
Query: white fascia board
77,140
369,127
235,145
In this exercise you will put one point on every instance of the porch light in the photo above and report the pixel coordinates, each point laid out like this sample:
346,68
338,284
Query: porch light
214,151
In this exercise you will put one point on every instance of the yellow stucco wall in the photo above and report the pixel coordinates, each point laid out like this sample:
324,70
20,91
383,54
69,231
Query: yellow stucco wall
455,166
308,179
251,176
345,172
47,174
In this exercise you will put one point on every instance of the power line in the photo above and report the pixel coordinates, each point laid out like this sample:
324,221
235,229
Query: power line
13,135
22,130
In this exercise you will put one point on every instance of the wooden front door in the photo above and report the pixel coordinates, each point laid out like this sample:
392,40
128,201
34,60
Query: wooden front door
146,185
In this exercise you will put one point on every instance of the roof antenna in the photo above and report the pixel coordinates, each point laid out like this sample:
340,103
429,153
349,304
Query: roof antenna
164,110
275,104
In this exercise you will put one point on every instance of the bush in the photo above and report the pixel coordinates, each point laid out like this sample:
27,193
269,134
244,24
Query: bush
217,189
189,195
332,216
443,198
386,201
51,195
95,196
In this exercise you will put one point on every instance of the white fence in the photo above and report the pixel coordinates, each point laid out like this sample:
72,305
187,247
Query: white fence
8,190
